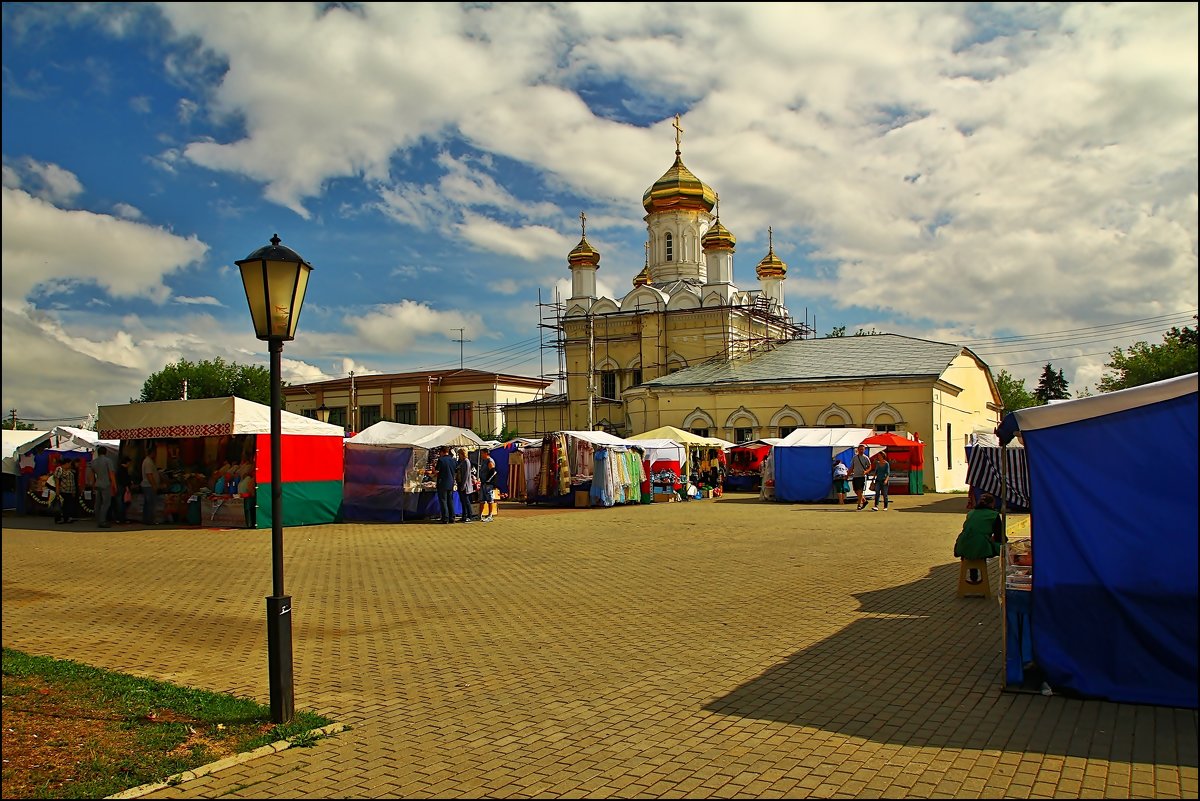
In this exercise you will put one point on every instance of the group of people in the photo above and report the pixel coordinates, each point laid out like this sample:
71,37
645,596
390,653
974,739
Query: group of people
108,482
861,466
457,477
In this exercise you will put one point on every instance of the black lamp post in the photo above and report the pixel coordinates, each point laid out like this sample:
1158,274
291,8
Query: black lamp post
275,279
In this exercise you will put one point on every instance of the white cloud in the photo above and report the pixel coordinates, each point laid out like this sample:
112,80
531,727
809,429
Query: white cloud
203,300
126,211
48,247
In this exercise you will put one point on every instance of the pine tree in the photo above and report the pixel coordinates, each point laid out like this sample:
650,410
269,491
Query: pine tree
1051,386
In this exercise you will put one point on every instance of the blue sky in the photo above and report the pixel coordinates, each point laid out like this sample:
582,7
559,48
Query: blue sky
1018,178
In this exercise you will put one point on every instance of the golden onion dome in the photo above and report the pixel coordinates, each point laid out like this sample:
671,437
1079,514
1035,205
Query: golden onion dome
584,254
678,188
771,266
642,278
718,238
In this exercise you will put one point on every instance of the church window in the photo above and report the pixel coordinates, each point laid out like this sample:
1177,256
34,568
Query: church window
882,427
670,243
636,377
608,384
743,434
700,432
785,430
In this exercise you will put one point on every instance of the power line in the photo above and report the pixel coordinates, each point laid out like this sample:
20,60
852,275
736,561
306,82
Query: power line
1162,318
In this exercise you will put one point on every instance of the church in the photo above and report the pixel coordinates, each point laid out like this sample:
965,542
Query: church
687,347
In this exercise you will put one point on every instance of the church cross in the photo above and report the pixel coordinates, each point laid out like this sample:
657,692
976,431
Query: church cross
583,223
678,134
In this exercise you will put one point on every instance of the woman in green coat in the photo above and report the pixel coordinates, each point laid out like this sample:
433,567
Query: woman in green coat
982,534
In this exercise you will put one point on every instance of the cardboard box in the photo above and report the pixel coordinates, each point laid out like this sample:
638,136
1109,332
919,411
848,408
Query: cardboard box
706,493
583,499
664,498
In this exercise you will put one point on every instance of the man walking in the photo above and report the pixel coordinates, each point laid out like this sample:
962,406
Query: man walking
860,465
104,480
464,477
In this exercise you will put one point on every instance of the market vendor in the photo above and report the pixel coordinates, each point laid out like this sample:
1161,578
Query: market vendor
982,534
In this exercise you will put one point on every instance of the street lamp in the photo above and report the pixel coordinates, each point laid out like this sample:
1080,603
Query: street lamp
275,279
323,412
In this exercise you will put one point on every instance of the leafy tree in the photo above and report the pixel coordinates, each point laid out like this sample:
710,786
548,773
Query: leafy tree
213,378
1051,386
838,331
1013,393
1145,363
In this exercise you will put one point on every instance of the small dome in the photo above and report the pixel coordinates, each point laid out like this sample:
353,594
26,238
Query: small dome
642,278
718,238
771,266
678,188
584,254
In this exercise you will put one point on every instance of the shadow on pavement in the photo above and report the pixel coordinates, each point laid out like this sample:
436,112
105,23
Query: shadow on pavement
926,671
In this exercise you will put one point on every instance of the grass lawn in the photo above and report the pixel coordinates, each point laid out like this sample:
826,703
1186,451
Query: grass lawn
75,731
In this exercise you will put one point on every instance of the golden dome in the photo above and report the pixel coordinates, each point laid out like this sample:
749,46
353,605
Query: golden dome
678,188
584,253
718,238
771,266
642,278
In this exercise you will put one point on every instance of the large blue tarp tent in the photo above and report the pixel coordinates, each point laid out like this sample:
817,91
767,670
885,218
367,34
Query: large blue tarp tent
802,462
1115,601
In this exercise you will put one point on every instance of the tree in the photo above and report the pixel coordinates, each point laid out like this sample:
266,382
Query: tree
838,331
1013,394
214,378
1051,386
15,423
1145,363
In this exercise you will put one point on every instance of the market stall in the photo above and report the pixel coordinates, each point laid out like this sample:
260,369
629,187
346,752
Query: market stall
800,466
391,474
904,455
215,458
746,464
705,460
584,468
1114,600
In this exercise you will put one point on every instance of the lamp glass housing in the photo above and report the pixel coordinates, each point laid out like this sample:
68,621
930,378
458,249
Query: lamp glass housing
275,279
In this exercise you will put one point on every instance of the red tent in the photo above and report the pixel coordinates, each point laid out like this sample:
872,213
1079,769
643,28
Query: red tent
907,457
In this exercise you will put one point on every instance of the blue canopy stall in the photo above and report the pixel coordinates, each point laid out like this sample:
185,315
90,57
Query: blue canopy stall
1114,593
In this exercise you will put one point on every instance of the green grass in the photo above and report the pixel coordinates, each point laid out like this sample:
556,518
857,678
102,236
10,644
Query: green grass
76,731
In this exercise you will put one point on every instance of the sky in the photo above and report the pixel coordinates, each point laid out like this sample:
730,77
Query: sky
1017,178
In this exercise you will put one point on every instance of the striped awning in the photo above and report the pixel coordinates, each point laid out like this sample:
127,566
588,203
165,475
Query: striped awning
984,473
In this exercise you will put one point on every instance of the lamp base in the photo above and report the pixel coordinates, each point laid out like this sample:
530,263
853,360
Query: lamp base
279,658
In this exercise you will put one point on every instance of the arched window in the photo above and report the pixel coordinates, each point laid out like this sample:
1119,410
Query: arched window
608,384
670,247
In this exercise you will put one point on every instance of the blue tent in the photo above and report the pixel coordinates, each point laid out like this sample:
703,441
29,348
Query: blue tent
1115,601
802,462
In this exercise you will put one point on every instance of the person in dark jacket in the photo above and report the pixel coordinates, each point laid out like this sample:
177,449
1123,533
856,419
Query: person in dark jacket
464,478
982,535
445,484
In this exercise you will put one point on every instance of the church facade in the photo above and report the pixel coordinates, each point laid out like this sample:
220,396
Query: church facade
688,347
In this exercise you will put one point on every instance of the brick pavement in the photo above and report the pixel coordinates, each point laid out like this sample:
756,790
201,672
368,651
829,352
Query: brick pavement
705,650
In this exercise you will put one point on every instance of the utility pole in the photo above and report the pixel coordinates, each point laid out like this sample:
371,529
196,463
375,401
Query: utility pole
13,412
591,388
460,342
353,406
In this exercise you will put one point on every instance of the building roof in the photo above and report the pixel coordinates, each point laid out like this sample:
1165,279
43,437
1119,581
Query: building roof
828,359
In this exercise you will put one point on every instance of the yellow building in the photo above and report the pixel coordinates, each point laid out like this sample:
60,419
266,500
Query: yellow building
686,347
937,391
471,399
